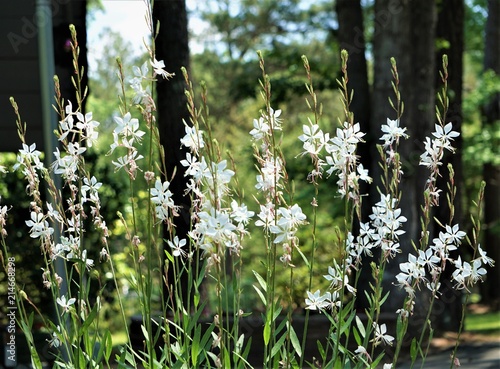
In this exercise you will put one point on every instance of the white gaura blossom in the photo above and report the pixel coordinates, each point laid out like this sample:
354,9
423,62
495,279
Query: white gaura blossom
39,225
288,220
432,157
87,127
65,303
158,68
28,154
266,216
381,335
126,132
264,127
271,175
342,160
177,246
316,301
240,213
392,133
193,139
92,186
161,197
313,138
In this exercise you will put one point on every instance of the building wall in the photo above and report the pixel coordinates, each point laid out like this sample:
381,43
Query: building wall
19,68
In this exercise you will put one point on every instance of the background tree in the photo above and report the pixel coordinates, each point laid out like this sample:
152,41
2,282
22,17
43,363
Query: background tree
491,170
404,30
450,41
173,48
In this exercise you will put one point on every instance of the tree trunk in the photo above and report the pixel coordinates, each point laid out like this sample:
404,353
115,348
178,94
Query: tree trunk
491,172
172,47
404,30
450,34
351,38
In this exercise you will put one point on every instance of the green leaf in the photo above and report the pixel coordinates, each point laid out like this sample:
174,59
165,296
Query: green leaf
360,326
261,295
295,340
384,298
304,258
261,281
357,337
195,346
267,331
277,347
169,256
413,349
239,344
377,360
145,332
90,318
108,343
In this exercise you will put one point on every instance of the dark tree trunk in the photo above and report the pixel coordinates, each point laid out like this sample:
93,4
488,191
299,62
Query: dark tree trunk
404,30
172,47
491,172
450,32
351,38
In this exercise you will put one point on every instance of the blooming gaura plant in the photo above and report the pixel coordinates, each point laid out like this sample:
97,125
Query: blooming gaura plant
220,221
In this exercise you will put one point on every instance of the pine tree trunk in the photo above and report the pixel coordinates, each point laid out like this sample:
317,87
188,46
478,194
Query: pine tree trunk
491,172
172,47
404,30
450,32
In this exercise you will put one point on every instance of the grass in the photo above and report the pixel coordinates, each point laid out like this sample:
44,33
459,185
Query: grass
484,323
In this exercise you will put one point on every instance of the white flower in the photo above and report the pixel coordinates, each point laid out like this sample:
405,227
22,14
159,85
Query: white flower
445,133
240,213
104,255
90,185
315,301
158,67
392,132
39,226
313,138
161,196
177,246
193,138
266,216
128,128
363,174
381,335
288,221
478,272
484,258
65,304
462,273
88,125
428,258
89,263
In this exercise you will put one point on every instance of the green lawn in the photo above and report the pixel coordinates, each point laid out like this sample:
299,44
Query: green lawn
487,323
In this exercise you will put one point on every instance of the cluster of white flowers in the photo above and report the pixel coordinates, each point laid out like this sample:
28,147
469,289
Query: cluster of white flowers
219,222
161,197
433,261
280,221
3,219
433,155
382,231
76,133
392,133
126,134
83,129
340,158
